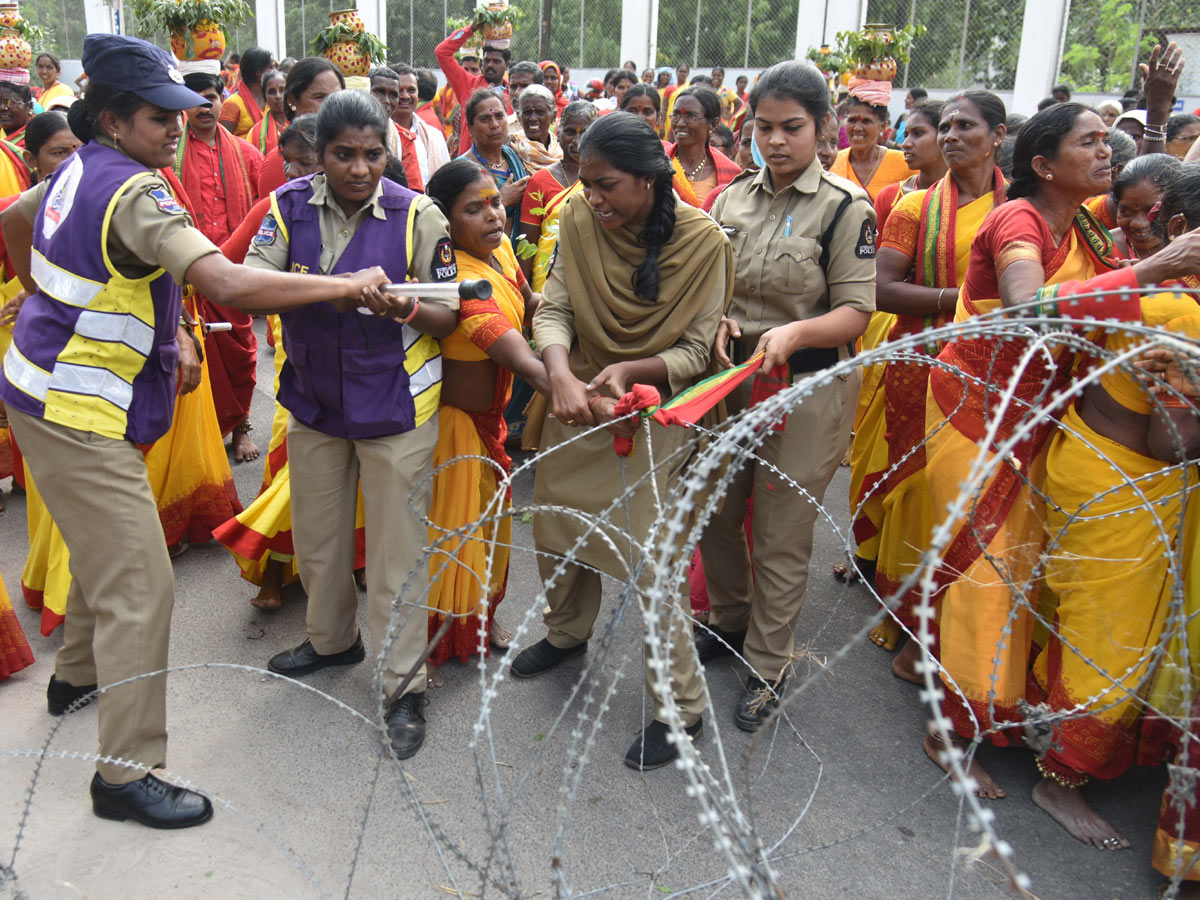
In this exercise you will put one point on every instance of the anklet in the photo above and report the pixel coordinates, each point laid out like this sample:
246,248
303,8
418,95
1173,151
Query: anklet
1070,782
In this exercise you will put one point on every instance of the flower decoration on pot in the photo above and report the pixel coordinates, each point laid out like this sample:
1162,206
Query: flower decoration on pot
475,46
496,20
830,62
16,37
876,52
198,28
346,43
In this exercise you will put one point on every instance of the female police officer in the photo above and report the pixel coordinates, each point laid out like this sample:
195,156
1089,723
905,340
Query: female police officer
102,248
804,289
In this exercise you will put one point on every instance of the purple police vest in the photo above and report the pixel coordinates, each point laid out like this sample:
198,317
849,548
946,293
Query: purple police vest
94,350
345,373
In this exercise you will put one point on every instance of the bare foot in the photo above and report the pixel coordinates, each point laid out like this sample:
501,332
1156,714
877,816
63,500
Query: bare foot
270,593
360,578
904,666
1067,807
985,786
177,550
244,449
886,634
499,636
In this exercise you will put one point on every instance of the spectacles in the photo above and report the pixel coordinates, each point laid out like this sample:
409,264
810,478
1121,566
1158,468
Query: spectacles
686,117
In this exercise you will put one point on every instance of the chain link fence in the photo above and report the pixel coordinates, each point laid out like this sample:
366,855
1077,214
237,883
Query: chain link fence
730,33
1105,39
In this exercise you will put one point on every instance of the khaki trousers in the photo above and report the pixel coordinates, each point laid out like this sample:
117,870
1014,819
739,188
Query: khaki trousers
325,476
767,605
118,619
574,601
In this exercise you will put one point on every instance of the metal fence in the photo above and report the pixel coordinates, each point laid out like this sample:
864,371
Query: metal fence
731,33
976,42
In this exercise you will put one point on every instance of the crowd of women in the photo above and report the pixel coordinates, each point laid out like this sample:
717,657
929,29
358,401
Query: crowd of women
657,239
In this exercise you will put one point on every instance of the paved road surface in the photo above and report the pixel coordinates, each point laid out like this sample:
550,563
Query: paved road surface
852,803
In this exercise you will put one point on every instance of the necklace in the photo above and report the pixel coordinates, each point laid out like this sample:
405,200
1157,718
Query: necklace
691,176
503,173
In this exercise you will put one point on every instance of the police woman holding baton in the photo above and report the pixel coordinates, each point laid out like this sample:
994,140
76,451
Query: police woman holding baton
102,247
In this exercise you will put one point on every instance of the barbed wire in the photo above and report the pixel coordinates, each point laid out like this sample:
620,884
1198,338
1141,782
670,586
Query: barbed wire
721,786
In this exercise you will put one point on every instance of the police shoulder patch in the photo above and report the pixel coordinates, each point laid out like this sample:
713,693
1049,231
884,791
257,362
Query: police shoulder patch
265,235
445,266
165,200
865,248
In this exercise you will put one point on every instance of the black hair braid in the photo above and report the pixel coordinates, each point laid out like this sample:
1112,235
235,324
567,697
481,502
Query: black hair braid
660,227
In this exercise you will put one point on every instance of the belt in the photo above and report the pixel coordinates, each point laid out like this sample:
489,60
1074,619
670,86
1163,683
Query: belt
803,361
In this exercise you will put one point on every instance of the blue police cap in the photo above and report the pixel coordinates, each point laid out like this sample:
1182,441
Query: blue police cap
131,64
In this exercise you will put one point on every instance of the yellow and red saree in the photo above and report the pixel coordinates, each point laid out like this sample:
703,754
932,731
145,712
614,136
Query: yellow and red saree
932,230
469,572
985,622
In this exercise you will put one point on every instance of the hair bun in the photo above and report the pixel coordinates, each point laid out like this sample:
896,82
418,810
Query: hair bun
78,120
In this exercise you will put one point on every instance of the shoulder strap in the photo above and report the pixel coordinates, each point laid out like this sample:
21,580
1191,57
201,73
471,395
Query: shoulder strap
827,238
827,234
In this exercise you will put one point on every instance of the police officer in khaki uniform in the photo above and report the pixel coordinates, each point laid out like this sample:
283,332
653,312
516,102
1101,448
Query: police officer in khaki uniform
102,247
804,249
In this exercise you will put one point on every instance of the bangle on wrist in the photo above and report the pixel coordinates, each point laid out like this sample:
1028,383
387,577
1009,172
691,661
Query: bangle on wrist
416,305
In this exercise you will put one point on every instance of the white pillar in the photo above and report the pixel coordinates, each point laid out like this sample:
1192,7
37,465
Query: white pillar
98,17
1041,43
374,16
819,21
639,32
269,31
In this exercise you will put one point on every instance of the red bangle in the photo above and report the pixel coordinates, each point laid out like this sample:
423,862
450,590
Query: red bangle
416,306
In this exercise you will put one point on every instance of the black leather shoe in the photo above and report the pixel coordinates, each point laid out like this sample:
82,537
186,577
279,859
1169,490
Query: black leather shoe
406,724
756,703
652,748
61,695
713,642
542,657
150,801
304,660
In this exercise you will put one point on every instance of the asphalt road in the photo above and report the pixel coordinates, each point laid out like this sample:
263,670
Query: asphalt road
848,804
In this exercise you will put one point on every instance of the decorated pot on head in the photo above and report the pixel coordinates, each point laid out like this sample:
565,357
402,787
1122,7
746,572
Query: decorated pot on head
208,42
15,52
497,33
348,54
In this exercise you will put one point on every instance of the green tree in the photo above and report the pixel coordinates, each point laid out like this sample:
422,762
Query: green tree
1101,44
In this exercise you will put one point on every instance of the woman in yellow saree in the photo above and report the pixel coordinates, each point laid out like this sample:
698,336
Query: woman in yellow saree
922,262
1114,513
468,572
1042,243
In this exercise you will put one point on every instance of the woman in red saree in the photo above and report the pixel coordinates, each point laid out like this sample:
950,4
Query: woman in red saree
1041,244
468,573
922,262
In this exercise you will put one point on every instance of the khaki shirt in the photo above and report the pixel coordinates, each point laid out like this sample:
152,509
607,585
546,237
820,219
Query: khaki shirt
430,230
143,234
777,248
